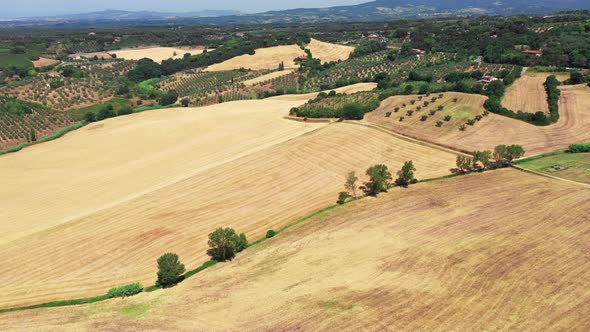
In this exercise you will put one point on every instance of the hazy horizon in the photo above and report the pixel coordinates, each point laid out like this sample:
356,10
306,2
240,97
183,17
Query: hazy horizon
29,8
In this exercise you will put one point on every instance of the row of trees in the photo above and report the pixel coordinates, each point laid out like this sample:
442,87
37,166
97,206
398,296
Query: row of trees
380,179
502,156
224,244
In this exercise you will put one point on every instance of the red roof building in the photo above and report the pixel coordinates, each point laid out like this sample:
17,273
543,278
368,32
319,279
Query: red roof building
533,52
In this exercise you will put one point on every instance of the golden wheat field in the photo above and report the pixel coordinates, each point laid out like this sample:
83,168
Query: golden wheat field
177,176
271,57
527,94
572,126
459,254
158,54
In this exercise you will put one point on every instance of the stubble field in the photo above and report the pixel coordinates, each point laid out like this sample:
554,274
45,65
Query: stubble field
162,180
432,257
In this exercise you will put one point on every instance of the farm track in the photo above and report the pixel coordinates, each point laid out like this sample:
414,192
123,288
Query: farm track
431,257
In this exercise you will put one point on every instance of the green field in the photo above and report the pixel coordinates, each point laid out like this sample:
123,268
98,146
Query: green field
8,59
570,166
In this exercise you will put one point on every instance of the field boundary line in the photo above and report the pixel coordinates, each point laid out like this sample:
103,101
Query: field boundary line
411,139
522,169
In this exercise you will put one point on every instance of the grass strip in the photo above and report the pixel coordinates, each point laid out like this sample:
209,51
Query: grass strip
59,133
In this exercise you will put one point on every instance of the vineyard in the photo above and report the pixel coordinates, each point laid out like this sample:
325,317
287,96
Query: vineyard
207,88
65,93
332,105
23,122
367,67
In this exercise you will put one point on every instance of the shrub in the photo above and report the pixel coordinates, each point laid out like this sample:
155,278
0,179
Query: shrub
125,291
401,119
478,117
447,118
342,196
471,122
396,109
440,108
432,112
462,128
424,118
579,148
409,113
125,110
439,123
169,98
89,117
270,233
387,114
455,100
170,270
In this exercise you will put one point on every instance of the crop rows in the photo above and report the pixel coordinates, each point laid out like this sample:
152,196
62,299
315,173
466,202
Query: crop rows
64,93
16,128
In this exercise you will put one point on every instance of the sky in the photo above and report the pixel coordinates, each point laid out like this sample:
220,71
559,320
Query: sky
28,8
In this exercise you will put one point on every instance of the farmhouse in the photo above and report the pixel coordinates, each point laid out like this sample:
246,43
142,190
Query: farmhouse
533,52
488,79
301,58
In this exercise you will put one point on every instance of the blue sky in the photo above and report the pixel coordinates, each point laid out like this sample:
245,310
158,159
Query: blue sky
22,8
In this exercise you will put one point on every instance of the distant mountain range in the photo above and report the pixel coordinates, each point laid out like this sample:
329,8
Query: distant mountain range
124,15
380,10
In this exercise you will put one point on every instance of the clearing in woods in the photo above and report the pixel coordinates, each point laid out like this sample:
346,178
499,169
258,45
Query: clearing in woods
431,257
73,195
493,129
271,57
527,94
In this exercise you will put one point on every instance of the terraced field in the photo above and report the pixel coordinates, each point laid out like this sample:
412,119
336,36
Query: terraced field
492,130
431,257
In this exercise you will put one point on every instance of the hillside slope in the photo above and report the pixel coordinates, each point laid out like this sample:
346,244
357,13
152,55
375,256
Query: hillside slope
456,255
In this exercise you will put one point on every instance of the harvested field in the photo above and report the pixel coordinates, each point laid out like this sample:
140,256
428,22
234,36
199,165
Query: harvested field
158,54
493,129
431,257
271,57
44,62
328,52
528,94
163,162
267,77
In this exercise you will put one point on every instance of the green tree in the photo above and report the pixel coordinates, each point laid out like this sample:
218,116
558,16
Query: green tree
463,163
224,243
169,98
351,183
170,270
89,117
482,157
379,179
405,175
353,112
185,102
33,135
